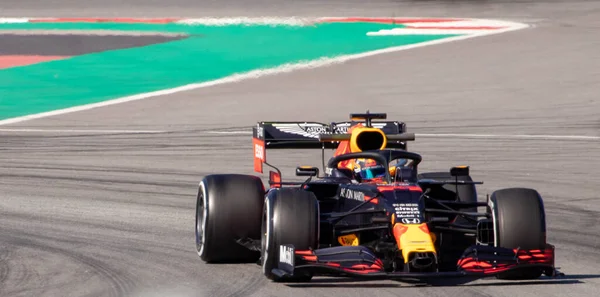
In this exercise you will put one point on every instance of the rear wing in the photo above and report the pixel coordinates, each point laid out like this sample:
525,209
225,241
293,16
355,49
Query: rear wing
306,135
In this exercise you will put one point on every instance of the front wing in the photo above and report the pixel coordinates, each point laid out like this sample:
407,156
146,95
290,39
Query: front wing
360,262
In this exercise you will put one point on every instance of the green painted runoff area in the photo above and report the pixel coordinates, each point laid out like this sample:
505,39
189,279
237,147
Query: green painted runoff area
211,52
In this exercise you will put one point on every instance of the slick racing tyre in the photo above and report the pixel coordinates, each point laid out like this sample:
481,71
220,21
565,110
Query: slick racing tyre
228,208
290,216
519,222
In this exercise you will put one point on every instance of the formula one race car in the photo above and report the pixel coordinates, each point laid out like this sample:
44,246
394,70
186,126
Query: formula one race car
370,215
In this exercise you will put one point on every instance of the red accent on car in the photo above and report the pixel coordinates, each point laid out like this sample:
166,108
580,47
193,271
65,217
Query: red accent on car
524,256
275,179
260,154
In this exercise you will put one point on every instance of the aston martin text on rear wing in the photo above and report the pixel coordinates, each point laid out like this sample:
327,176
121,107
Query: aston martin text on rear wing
305,135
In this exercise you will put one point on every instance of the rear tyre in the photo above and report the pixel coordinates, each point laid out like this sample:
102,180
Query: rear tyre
519,222
228,208
290,216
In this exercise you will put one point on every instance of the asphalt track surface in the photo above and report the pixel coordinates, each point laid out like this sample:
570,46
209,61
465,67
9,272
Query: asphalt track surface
112,214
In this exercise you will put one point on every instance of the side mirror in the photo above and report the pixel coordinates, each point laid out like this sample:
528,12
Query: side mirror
307,171
459,171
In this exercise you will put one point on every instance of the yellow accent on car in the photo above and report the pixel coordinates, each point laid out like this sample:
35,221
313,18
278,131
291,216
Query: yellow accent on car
413,238
366,138
350,239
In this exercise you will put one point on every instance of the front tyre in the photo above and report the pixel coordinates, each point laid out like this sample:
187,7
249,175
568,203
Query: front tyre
519,222
290,216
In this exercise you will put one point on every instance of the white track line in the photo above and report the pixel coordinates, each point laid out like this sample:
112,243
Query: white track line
418,31
254,74
291,21
462,136
517,136
229,132
13,20
83,131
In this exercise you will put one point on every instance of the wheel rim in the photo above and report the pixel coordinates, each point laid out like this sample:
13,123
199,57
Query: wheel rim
201,214
199,218
265,230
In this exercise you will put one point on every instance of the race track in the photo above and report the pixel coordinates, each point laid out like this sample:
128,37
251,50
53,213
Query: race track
110,212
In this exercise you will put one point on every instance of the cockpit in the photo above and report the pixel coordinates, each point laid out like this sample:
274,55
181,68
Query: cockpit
386,166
